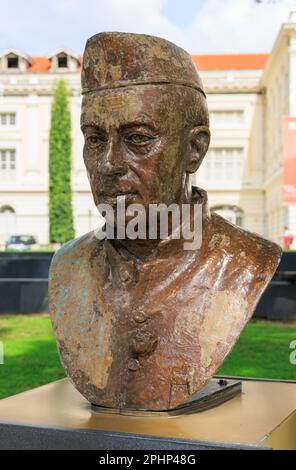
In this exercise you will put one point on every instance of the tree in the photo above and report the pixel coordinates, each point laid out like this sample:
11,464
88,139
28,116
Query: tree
60,197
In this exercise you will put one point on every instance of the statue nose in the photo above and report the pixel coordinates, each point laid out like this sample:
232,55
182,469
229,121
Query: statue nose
112,163
110,169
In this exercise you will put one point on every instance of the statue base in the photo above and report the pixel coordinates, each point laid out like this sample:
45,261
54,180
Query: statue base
56,416
214,393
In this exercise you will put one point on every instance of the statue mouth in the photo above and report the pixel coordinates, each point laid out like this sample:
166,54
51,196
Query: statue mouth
118,193
113,197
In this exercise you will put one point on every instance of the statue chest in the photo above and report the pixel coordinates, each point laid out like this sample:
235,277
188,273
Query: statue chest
138,340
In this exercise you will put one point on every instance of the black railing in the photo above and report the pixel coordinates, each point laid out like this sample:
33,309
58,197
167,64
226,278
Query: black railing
279,300
24,282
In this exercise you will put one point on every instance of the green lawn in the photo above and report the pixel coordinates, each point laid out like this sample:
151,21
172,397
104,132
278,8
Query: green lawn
262,351
31,358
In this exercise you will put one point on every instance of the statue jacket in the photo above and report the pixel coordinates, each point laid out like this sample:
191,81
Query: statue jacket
147,334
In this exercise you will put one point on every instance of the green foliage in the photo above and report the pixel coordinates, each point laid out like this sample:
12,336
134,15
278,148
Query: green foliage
60,197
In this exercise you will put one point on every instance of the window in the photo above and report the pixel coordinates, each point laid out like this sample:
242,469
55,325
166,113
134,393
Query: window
7,221
223,166
226,118
233,214
62,61
7,163
7,119
12,61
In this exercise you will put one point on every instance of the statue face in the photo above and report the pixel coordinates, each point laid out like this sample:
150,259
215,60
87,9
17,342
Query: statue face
136,143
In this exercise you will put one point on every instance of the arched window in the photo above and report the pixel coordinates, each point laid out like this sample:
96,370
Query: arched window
233,214
7,222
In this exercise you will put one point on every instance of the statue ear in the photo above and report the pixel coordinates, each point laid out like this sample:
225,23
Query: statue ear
199,140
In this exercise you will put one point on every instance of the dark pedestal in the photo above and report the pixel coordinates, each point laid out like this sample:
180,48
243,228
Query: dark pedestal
56,416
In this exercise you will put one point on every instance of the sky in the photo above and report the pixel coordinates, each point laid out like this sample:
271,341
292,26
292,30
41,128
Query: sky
38,27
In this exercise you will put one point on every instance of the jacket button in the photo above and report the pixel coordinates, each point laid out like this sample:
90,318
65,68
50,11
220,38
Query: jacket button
143,343
133,364
140,317
124,275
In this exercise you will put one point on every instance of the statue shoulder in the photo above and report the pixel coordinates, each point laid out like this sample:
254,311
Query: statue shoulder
246,248
72,252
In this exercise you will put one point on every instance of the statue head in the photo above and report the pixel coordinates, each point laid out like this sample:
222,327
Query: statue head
144,119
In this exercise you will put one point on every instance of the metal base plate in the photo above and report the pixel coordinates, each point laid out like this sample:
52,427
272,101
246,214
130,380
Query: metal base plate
215,392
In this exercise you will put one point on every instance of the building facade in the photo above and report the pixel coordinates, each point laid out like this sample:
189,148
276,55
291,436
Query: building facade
248,97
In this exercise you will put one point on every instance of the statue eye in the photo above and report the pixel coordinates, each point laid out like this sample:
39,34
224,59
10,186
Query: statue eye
96,139
139,139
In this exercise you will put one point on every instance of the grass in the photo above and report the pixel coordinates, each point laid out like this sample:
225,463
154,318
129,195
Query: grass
263,350
31,358
30,355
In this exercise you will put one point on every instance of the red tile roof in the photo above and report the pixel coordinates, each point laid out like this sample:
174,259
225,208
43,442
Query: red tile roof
39,64
203,62
230,61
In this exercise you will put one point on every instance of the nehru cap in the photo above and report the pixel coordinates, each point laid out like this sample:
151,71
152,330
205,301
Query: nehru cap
114,60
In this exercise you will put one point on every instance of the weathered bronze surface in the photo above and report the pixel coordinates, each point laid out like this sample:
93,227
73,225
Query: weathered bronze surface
144,324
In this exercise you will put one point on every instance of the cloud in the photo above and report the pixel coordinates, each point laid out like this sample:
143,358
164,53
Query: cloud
38,26
236,26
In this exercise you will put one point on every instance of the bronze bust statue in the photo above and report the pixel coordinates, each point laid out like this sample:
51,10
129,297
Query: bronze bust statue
142,324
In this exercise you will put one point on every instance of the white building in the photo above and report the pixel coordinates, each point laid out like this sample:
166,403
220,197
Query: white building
243,172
